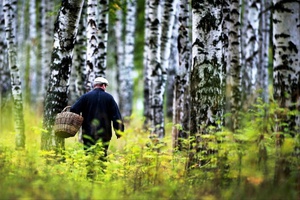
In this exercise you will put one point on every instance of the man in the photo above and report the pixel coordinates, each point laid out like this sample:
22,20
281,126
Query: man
99,110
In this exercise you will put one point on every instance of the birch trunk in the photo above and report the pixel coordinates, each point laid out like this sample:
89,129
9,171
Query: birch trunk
126,79
47,26
10,10
102,23
168,18
173,65
181,105
78,77
35,68
251,61
286,80
119,34
233,76
146,73
207,75
156,71
92,52
65,33
286,43
5,85
264,56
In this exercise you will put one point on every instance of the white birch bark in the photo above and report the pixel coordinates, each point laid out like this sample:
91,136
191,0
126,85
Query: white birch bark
286,80
47,26
181,104
264,55
146,72
35,68
168,18
119,34
125,76
65,32
4,69
10,10
102,23
173,64
78,77
92,52
155,70
233,76
21,45
207,73
251,51
286,66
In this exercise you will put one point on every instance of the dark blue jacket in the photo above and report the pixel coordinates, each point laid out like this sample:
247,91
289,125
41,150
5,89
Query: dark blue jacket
99,110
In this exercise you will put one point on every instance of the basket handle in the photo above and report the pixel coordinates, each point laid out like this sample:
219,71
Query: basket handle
66,108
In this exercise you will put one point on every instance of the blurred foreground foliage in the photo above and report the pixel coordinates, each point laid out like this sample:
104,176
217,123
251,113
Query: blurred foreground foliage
244,165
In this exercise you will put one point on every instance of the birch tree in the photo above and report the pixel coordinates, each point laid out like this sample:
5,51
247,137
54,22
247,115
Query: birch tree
47,26
119,46
156,72
207,73
181,105
4,68
78,77
93,51
251,51
10,10
173,65
233,71
286,70
286,44
168,19
264,46
65,32
126,69
34,67
102,23
146,72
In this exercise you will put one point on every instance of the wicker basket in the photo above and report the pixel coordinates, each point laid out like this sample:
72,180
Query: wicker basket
67,123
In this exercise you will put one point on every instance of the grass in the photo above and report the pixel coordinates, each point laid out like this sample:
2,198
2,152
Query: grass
135,171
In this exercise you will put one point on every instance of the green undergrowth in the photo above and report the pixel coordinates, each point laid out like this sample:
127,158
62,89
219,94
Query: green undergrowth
242,165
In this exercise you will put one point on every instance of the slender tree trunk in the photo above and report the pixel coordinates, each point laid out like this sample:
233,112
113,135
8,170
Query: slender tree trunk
251,51
264,45
181,105
47,26
92,53
5,86
156,72
102,24
119,34
168,18
78,77
146,73
22,37
125,76
173,65
233,76
65,33
34,67
10,9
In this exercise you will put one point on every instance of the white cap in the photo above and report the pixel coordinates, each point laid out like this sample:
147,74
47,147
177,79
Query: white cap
100,80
